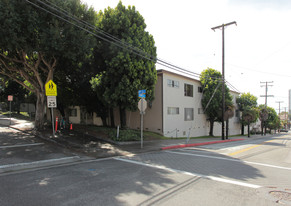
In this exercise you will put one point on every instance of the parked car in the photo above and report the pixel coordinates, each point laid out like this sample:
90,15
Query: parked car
284,130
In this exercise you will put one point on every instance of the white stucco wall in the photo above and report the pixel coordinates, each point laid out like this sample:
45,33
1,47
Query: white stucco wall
175,124
75,119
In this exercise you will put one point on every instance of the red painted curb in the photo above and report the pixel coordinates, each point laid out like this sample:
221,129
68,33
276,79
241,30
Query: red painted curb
199,144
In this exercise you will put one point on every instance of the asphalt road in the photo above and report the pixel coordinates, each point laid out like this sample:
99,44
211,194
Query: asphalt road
254,172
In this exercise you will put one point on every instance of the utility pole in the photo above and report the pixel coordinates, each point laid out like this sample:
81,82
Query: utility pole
267,84
285,119
223,87
279,112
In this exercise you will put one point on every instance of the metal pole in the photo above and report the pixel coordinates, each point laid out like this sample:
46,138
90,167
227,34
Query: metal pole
10,113
141,126
52,110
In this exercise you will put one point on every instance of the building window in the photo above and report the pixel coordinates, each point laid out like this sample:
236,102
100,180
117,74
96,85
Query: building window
188,90
173,110
200,89
189,114
73,112
200,111
173,83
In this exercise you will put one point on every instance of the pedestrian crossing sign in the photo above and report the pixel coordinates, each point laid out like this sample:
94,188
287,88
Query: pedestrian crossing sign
50,88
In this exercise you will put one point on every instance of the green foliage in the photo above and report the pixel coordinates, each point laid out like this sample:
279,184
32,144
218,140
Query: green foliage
211,83
247,105
125,135
250,115
272,120
246,100
124,73
35,44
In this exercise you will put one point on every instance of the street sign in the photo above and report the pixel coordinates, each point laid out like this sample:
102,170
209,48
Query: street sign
142,105
50,88
10,98
142,93
51,101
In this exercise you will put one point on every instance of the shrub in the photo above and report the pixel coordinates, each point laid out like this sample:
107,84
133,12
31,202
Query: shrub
125,135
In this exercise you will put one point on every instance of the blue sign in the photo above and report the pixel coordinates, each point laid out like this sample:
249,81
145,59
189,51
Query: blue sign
142,93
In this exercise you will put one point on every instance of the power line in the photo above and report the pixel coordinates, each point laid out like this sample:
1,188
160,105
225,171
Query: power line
91,29
254,70
107,37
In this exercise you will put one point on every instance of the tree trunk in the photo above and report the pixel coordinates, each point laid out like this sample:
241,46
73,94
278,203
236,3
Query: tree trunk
211,128
248,129
40,110
122,113
111,117
242,129
104,122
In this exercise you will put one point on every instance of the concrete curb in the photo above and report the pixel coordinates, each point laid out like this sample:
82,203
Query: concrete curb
199,144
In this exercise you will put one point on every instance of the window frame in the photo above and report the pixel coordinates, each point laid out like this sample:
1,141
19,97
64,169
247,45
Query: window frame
173,83
171,109
186,114
188,92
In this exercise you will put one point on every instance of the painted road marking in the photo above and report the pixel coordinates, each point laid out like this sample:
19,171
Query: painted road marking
190,173
37,162
234,160
249,148
21,145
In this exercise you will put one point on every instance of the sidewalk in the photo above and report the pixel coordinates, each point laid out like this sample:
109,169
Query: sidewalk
99,147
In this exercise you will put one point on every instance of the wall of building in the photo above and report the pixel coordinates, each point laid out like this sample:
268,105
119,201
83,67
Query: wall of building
75,115
167,113
152,117
176,123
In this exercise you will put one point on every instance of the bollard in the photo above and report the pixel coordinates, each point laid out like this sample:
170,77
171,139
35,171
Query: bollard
57,119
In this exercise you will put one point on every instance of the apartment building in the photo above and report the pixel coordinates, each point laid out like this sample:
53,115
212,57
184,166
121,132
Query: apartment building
177,110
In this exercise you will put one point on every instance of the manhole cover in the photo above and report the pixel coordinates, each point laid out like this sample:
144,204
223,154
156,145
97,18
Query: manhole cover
281,195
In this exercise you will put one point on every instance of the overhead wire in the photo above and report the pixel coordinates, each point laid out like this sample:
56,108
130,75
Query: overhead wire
83,25
106,36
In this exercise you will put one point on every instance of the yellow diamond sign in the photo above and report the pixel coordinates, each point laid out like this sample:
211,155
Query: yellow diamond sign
50,88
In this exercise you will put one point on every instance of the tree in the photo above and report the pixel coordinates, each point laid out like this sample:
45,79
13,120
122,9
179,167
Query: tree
229,113
269,118
263,115
212,96
250,115
273,121
245,102
124,72
33,42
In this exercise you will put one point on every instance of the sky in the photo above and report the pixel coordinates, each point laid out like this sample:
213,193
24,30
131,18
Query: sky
257,49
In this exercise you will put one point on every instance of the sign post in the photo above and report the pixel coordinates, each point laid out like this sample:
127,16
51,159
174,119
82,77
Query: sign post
51,93
142,105
10,99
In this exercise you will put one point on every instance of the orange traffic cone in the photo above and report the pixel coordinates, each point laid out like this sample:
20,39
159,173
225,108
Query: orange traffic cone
71,126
